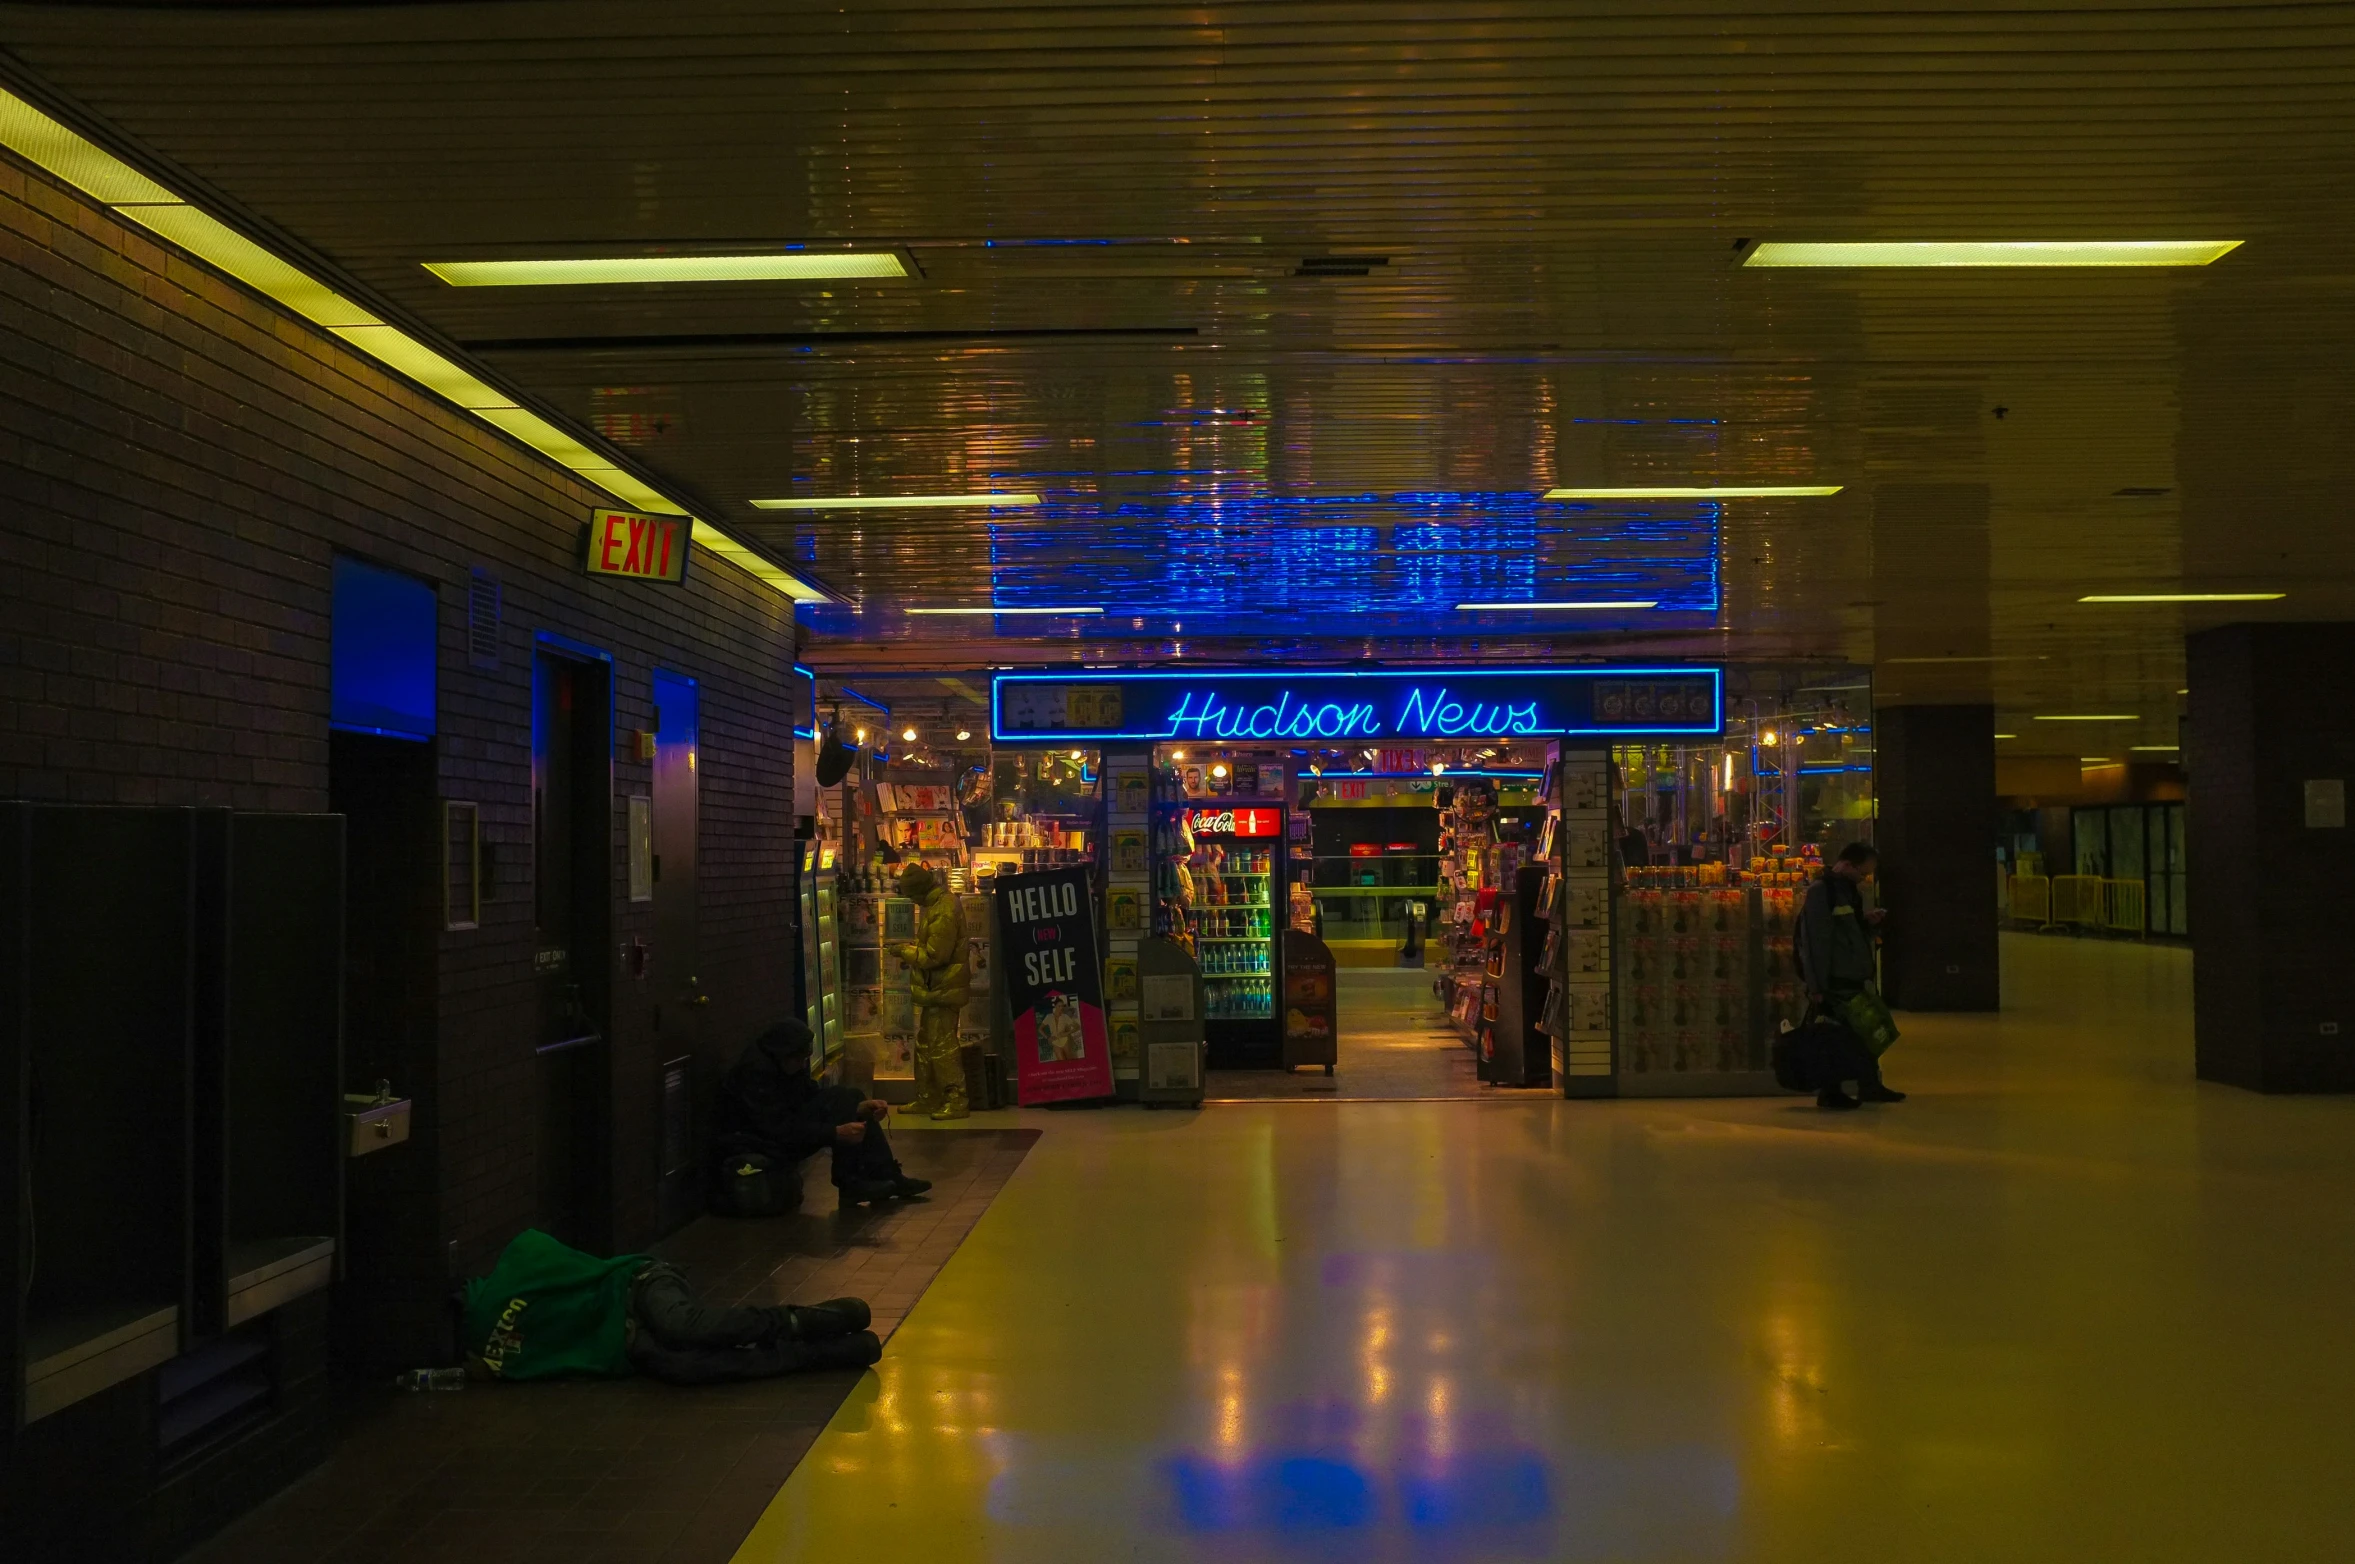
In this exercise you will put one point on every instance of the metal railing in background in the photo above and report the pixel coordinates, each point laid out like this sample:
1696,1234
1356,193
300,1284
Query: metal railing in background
2031,899
2084,901
2077,899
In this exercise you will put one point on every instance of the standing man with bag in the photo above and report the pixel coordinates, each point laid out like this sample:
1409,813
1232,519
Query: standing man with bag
1834,947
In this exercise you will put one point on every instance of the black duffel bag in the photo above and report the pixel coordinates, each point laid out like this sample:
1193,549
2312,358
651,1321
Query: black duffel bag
750,1185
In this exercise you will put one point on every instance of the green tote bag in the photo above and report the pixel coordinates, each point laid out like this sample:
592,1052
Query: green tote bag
1869,1019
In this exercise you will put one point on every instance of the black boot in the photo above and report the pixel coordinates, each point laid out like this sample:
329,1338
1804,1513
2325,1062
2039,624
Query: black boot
907,1188
812,1322
1875,1091
855,1351
868,1191
1833,1097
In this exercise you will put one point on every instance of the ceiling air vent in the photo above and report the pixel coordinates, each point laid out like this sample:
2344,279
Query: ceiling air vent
1339,265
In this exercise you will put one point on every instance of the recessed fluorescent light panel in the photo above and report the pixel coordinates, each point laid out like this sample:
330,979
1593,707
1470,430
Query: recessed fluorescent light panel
900,502
995,611
136,198
2184,597
1998,252
2157,749
2090,716
1489,608
1753,491
607,271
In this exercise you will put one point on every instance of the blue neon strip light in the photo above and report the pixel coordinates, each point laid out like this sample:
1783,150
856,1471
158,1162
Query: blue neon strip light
811,731
1356,705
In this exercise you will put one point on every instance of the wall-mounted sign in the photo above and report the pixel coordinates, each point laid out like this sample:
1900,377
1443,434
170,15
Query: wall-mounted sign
1237,822
644,548
1396,705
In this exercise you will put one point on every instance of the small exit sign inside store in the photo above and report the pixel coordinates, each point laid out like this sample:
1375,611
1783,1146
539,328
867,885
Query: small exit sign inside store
645,548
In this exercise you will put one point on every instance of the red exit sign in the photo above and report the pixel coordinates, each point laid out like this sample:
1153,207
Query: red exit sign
644,548
1237,822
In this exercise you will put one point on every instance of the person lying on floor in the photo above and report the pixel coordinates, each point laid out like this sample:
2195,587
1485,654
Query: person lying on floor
771,1106
548,1309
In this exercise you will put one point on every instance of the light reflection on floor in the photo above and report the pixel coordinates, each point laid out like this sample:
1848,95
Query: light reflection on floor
2065,1303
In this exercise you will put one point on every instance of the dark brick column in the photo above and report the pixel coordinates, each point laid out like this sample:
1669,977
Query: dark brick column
1934,772
2272,710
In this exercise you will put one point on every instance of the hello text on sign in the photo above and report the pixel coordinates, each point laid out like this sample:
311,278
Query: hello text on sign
644,548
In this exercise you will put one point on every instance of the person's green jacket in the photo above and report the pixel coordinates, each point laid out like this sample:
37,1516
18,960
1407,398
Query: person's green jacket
548,1309
938,956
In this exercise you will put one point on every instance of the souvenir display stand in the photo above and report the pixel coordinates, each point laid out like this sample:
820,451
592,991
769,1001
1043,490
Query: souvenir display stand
1580,962
1127,893
1171,1043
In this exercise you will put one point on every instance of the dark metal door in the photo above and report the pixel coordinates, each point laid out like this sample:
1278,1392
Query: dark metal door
572,870
679,999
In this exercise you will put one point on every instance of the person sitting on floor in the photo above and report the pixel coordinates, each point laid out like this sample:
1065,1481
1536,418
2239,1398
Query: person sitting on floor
770,1106
548,1309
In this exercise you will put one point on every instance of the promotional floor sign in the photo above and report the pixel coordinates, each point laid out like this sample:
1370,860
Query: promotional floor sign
1054,986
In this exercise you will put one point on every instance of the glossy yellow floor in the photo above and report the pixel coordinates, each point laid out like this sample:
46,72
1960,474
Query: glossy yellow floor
2064,1304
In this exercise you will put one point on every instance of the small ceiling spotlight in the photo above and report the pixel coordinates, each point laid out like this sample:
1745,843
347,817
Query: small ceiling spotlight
964,733
909,734
1219,770
862,735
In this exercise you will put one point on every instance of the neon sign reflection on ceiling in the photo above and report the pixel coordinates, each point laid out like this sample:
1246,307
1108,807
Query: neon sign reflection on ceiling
1360,705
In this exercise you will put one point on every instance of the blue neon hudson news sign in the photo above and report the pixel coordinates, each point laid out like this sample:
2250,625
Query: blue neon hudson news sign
1483,703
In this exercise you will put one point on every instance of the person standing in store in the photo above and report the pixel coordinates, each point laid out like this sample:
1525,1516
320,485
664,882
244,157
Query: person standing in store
1833,944
941,987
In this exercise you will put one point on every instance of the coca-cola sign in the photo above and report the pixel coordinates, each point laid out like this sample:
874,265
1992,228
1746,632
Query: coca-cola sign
1237,822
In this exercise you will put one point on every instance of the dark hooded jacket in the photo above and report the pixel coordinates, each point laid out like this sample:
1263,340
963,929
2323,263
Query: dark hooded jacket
1834,939
769,1104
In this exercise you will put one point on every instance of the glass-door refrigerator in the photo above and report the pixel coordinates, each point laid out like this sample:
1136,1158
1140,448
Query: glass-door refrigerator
1217,879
